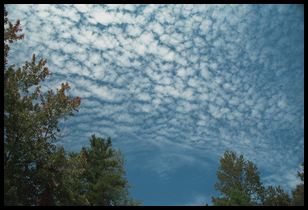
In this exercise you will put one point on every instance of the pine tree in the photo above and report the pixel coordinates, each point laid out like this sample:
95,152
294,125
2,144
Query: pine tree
104,181
95,176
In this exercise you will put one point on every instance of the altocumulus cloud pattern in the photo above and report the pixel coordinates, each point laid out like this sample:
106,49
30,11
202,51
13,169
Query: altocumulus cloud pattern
176,85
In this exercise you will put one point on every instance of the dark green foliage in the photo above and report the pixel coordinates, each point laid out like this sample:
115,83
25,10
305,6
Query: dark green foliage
298,195
276,196
298,192
236,198
103,173
96,175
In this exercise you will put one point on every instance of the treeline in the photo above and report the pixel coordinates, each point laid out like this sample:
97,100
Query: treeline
37,172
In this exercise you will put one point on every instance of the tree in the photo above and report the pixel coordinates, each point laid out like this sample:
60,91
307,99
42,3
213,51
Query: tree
10,34
95,176
276,196
104,183
298,192
239,181
240,185
30,127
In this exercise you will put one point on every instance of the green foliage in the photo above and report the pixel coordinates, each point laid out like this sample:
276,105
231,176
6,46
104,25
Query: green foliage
94,176
239,181
236,198
276,196
298,195
103,171
298,192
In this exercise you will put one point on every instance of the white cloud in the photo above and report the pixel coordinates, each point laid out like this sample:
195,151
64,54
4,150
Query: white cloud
133,30
183,73
205,26
103,17
156,27
234,100
144,96
146,38
282,104
95,58
205,73
106,42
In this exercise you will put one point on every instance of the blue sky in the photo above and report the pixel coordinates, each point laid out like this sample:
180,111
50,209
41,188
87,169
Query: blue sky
175,86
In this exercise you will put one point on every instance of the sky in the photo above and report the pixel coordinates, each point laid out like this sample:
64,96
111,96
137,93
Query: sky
175,86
